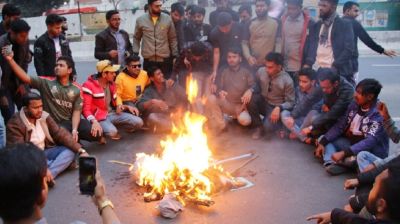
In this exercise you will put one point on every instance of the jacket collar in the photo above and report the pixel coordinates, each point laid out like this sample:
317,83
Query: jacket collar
26,121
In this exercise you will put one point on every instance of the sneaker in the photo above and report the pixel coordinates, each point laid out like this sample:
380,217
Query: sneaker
258,133
334,169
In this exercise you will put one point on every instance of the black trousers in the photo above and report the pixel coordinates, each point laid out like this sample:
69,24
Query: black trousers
84,130
165,66
258,106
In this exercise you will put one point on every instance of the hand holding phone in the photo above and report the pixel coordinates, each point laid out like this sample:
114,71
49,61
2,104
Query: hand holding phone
87,175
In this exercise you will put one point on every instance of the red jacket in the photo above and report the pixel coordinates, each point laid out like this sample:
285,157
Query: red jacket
308,22
94,99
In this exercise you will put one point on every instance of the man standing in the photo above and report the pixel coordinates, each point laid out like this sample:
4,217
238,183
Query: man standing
34,125
12,89
61,98
245,14
159,100
178,17
226,35
9,13
196,29
131,82
296,25
259,36
233,96
99,103
272,93
331,42
113,43
155,35
50,46
222,6
350,11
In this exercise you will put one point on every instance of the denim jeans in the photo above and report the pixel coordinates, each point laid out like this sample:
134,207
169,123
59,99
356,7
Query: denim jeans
125,120
333,147
2,132
364,159
58,159
299,123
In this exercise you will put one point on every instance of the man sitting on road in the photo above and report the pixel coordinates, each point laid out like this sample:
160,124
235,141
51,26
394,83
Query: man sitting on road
159,100
34,125
61,97
360,129
99,101
234,93
131,82
307,85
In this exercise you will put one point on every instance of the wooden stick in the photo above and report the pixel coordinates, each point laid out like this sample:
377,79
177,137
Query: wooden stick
120,163
243,165
234,158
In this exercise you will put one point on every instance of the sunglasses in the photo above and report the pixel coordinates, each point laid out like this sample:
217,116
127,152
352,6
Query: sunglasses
135,66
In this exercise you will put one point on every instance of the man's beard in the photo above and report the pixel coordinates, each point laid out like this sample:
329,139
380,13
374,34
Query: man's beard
262,14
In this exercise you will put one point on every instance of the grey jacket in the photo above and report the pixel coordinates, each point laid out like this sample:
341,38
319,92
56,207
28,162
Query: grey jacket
156,41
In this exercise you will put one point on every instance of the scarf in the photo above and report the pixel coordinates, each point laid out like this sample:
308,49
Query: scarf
326,23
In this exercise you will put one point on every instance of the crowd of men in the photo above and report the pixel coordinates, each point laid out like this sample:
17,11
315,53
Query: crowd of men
286,76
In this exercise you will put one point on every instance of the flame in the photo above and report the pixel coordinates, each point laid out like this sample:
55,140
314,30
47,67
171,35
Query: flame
185,157
191,88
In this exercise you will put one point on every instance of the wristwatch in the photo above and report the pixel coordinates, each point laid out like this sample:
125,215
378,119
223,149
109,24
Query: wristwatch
81,151
105,204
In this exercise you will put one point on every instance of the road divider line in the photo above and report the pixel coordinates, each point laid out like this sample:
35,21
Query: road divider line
386,65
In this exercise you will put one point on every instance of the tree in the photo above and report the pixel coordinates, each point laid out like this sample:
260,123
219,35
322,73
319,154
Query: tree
115,3
31,8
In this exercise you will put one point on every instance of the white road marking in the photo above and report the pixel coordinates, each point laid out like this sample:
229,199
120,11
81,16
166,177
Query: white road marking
386,65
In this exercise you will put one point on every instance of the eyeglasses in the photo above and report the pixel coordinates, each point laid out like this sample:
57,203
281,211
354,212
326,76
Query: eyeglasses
135,66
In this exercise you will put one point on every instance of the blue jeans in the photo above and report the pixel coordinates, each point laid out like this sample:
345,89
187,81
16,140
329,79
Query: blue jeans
58,159
333,147
2,132
127,121
364,159
299,123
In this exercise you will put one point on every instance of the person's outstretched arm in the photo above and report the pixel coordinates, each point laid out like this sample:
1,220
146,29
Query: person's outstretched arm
107,213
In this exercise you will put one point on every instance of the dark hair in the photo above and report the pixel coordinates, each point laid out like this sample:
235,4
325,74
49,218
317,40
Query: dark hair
198,48
64,18
149,2
295,2
53,19
10,10
235,50
27,98
327,74
22,171
152,70
391,190
178,7
268,2
146,7
197,9
224,19
333,2
110,13
190,7
131,58
348,5
70,64
19,26
245,7
370,86
309,73
275,57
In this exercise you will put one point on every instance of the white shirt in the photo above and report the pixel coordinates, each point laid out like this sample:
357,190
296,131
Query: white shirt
324,52
37,135
56,41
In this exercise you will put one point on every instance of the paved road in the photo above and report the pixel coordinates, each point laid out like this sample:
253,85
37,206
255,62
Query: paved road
289,183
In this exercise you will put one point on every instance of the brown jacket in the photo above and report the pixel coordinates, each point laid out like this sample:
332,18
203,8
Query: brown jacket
19,131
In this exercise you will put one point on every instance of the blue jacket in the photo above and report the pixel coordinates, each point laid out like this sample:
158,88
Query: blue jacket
375,139
342,38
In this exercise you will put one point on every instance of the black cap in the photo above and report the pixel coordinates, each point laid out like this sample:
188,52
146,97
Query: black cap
224,19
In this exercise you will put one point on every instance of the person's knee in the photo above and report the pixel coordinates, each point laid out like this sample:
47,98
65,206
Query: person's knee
244,118
109,129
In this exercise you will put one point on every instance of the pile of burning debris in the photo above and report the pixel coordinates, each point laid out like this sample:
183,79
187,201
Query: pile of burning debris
184,171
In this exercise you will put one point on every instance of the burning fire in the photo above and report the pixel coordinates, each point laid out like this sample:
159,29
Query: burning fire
184,162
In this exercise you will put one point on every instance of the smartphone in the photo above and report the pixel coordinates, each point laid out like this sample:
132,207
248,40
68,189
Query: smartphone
87,175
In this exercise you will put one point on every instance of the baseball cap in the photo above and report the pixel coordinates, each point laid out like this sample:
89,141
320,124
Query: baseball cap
106,66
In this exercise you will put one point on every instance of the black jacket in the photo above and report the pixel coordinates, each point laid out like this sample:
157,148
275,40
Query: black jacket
359,32
22,56
105,42
45,54
342,39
